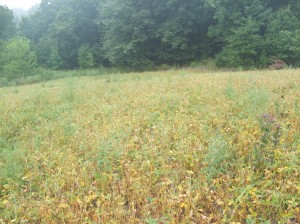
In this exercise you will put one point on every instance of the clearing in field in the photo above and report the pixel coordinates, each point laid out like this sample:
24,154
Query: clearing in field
161,147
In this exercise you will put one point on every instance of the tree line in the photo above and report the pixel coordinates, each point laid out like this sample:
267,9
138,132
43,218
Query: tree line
69,34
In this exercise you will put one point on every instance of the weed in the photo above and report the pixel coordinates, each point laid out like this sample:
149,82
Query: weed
229,91
218,157
11,163
270,130
254,101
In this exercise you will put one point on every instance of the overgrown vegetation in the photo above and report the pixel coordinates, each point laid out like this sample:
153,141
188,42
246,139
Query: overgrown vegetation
163,147
193,145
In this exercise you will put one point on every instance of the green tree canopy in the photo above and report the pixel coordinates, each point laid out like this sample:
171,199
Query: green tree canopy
59,28
250,33
66,34
144,33
7,26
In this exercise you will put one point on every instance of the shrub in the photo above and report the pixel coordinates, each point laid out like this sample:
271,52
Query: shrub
16,59
85,57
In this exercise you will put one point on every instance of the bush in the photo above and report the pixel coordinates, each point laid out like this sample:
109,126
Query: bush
85,57
16,59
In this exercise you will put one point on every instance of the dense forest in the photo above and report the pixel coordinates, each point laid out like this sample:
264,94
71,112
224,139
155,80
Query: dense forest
70,34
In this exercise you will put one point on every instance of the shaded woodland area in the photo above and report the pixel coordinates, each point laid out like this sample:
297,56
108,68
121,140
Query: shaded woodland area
70,34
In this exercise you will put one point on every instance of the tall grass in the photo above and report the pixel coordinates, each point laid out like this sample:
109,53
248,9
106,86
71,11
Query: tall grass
43,75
